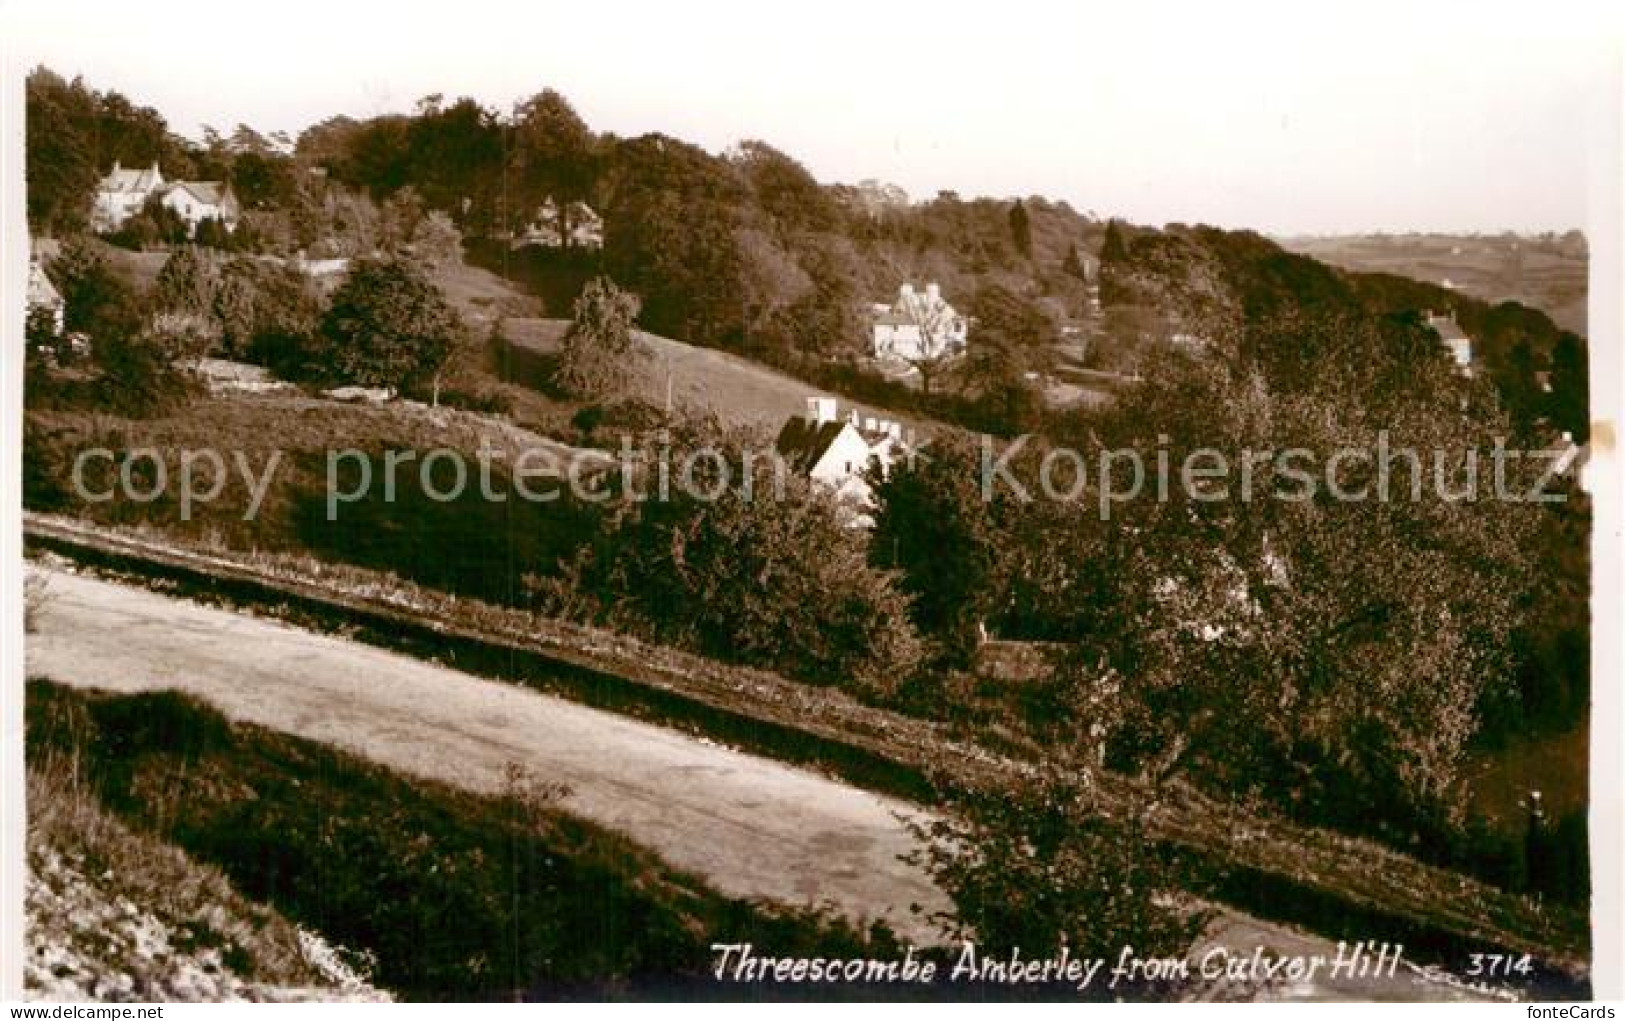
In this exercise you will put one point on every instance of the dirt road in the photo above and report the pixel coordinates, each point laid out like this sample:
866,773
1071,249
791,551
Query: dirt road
751,826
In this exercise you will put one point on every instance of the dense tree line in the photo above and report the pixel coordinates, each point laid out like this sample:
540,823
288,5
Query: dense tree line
1212,283
1332,659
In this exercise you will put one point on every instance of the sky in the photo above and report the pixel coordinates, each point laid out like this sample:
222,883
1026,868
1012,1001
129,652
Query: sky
1283,118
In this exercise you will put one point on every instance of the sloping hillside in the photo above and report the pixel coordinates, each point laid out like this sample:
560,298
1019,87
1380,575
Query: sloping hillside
114,914
735,389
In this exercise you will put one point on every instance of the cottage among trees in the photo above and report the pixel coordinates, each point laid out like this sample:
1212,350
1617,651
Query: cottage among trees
919,326
124,193
838,452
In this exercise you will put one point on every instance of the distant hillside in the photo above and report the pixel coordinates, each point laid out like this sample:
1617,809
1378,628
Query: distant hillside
1548,272
1213,284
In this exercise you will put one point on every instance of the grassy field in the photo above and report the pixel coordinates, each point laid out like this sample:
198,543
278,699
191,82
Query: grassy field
1495,269
468,545
703,380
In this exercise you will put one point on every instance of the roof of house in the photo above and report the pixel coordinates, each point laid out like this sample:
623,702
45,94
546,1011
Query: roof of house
1446,327
803,442
211,192
122,180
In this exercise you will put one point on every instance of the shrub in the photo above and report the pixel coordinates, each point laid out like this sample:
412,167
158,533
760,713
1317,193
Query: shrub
768,573
387,326
1042,863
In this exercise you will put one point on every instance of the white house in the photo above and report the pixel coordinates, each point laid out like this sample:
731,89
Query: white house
836,451
919,325
197,201
122,193
1457,342
583,227
43,296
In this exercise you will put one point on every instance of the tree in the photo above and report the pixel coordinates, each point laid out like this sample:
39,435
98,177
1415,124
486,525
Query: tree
770,281
1112,249
268,313
1011,321
1520,392
398,219
61,168
1044,862
934,321
187,283
671,217
388,326
1570,399
263,180
934,526
1357,638
96,300
783,189
553,155
598,354
1021,229
436,240
181,337
212,232
1073,265
455,160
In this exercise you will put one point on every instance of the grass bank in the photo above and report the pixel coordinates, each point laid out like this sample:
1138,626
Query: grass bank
451,894
118,914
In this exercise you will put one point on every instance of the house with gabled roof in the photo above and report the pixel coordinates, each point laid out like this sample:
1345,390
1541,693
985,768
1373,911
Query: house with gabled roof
583,227
919,325
836,452
196,201
122,193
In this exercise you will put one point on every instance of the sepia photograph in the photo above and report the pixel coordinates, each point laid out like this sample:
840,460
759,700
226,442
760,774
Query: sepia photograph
901,502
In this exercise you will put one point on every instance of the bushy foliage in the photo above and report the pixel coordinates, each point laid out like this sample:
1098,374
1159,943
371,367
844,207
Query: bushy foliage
934,526
598,357
139,376
387,326
1043,862
97,301
1359,639
767,573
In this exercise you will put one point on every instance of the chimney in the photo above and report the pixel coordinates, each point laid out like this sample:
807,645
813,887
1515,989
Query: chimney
869,425
820,410
906,292
933,293
852,417
895,430
116,166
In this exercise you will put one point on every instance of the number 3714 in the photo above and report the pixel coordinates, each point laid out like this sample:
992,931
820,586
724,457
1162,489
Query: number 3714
1499,965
